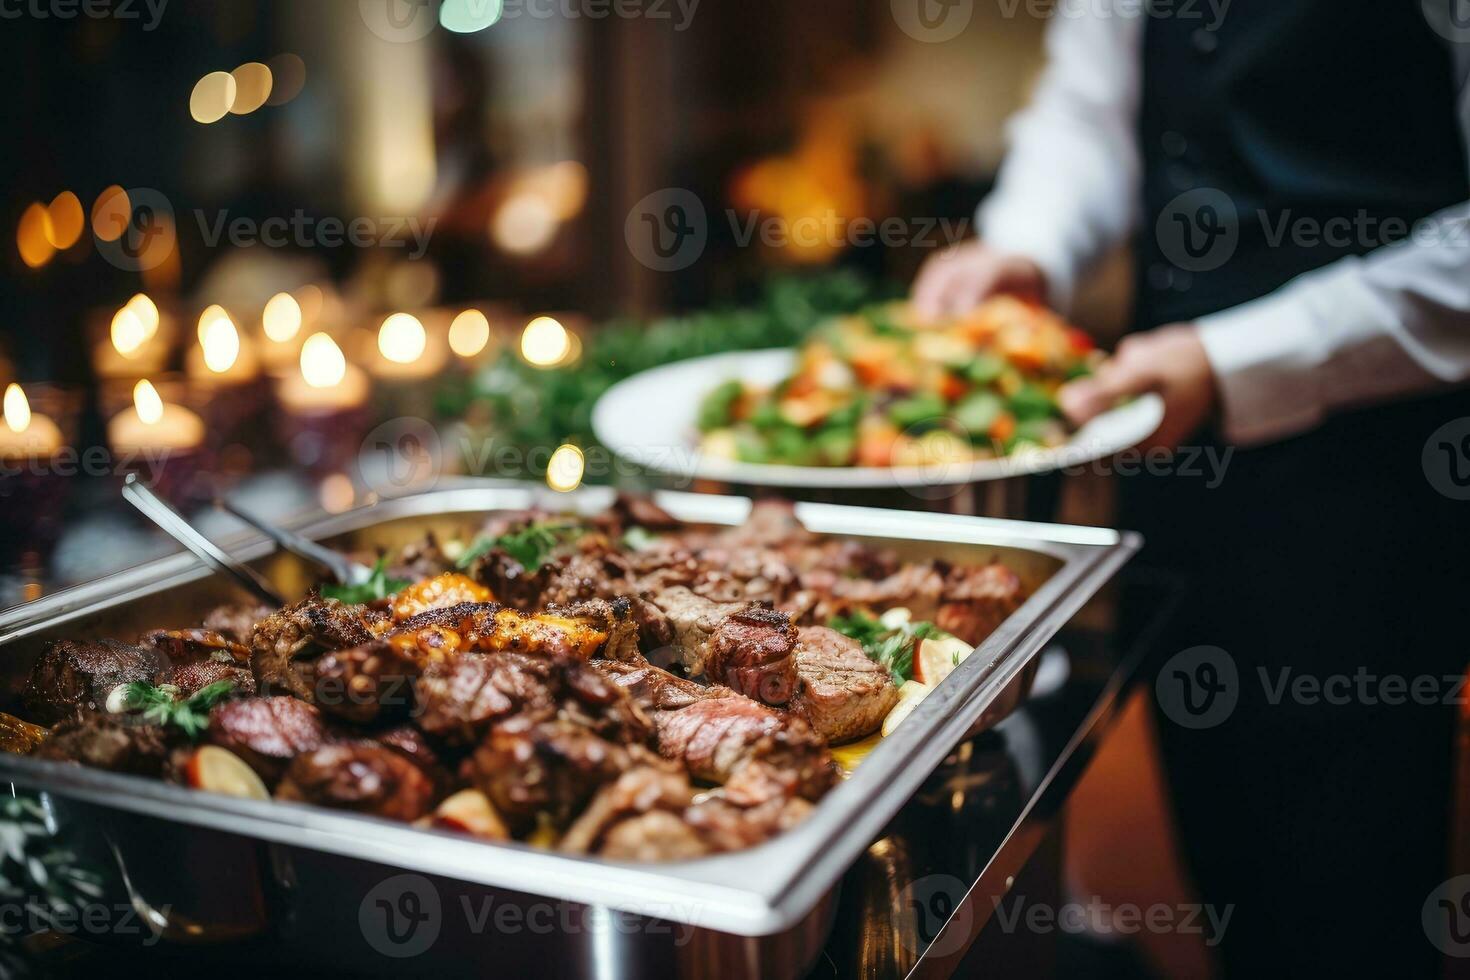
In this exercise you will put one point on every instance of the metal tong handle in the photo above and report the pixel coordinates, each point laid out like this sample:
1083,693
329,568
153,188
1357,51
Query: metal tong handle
343,569
173,523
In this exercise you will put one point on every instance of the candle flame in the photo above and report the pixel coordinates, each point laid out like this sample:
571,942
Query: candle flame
402,339
147,313
469,333
208,318
221,343
564,470
322,362
147,402
545,342
282,317
17,409
128,332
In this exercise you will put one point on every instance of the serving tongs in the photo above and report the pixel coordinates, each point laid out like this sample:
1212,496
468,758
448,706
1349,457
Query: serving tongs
339,566
173,523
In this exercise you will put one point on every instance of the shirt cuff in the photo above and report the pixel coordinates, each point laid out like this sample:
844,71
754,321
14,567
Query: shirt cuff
1264,355
1014,231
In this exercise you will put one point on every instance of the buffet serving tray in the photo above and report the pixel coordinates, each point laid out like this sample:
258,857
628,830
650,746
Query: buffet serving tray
297,871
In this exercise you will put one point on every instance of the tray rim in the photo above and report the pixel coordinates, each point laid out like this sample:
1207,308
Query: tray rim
759,891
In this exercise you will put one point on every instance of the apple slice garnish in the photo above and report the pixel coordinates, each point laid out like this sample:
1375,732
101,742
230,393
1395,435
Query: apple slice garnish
936,657
218,770
470,811
909,697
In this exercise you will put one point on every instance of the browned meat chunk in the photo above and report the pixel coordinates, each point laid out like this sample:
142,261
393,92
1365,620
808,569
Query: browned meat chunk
284,642
109,742
192,678
977,600
267,733
751,651
844,694
458,702
638,816
412,743
366,684
526,767
755,751
188,646
70,677
236,622
360,776
724,826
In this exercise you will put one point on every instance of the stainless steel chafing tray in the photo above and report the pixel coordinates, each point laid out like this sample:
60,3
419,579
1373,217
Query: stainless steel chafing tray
300,881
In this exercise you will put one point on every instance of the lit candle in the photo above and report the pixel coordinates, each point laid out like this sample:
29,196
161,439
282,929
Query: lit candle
404,350
547,342
281,323
326,382
153,425
26,434
134,341
222,356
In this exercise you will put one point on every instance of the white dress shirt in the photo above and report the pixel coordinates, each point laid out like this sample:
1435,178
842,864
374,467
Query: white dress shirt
1391,323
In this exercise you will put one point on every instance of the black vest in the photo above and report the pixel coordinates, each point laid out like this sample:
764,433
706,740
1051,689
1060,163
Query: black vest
1327,126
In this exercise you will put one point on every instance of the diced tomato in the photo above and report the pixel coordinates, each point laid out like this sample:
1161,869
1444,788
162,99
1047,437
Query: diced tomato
875,444
952,387
1003,427
1081,342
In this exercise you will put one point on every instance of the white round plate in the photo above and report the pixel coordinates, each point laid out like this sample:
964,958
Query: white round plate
649,419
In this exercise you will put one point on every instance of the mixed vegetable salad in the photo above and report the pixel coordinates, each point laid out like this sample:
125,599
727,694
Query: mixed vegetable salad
880,388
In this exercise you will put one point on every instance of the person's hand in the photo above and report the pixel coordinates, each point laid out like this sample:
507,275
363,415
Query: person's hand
1170,361
956,280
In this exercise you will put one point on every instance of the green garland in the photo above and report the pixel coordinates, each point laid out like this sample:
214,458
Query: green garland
513,404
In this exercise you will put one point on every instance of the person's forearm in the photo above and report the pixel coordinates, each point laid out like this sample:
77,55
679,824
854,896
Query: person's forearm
1394,323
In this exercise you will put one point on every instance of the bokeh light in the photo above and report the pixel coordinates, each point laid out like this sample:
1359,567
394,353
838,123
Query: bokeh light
469,333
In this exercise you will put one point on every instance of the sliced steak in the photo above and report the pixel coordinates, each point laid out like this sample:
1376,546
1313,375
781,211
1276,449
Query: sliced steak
977,600
360,776
751,651
267,733
844,694
71,677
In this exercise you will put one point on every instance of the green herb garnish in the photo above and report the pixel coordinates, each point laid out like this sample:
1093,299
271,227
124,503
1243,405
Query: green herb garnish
379,586
160,705
531,545
638,538
892,648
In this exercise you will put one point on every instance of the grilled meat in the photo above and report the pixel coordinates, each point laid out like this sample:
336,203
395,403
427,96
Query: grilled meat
285,642
726,826
579,631
751,651
977,600
638,816
360,776
194,677
440,592
527,767
109,742
267,733
235,622
71,677
364,684
844,694
414,746
458,702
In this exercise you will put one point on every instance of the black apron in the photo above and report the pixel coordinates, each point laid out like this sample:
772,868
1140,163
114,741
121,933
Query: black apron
1330,553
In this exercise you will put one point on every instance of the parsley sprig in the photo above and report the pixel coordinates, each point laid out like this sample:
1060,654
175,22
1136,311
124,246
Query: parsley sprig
530,545
379,586
893,648
161,705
